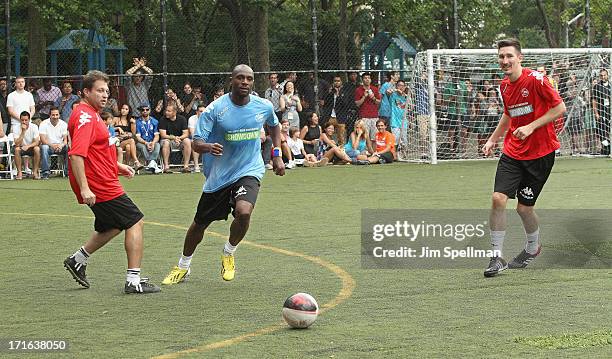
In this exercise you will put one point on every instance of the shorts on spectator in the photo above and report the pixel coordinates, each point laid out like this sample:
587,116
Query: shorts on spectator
173,144
370,124
29,152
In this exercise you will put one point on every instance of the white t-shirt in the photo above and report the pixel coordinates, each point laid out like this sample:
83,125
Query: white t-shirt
296,146
55,134
19,102
30,135
193,120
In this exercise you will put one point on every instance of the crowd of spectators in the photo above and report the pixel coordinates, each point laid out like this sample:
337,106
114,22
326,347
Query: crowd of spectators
346,119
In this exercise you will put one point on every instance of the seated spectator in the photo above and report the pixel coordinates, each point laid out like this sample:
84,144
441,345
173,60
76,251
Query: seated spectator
287,155
64,103
125,125
174,134
299,154
219,91
311,133
359,146
27,140
290,105
147,138
191,124
53,140
266,147
329,148
108,118
385,145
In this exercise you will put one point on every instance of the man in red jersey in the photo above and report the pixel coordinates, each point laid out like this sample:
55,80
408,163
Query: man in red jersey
531,105
93,173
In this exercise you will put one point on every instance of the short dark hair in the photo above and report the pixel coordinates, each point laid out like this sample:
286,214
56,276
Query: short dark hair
509,42
24,113
105,115
93,76
390,74
366,74
53,108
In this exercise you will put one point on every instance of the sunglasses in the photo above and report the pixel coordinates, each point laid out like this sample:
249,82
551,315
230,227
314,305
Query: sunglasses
145,109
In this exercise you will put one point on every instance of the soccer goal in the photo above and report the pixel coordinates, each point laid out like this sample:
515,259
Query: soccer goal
462,86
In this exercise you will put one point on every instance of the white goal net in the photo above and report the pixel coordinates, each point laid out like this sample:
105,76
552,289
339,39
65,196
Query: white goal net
462,86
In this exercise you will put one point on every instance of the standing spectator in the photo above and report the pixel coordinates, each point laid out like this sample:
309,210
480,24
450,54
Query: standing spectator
349,89
138,88
171,99
274,93
399,101
188,99
27,140
386,90
18,101
47,96
601,110
575,117
53,140
289,77
367,100
147,138
6,118
191,124
174,134
336,106
290,105
64,103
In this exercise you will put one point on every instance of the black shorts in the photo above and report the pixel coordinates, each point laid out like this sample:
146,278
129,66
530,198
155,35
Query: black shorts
524,178
217,205
119,213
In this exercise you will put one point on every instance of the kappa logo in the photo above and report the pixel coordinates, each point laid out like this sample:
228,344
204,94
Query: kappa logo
84,119
538,76
527,193
259,117
240,192
525,92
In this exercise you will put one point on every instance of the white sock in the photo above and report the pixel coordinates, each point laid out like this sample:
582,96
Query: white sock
185,261
533,242
81,256
497,241
228,249
133,276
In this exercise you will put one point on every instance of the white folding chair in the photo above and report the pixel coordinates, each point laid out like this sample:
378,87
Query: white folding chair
6,158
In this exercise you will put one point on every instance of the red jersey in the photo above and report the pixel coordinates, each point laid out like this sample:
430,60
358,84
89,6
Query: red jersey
526,100
369,108
90,140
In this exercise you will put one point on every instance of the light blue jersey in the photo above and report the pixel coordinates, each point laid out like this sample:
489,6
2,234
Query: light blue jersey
237,129
384,109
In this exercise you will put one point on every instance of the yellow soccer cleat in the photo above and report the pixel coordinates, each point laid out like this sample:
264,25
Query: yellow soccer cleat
176,276
228,269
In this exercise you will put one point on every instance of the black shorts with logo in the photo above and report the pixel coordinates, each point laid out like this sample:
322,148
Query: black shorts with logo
118,213
523,178
217,205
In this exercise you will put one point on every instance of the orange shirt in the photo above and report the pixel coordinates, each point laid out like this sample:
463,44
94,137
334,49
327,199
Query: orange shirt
383,140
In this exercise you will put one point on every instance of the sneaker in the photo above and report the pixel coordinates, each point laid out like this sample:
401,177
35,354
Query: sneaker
197,170
176,275
45,176
143,287
152,164
268,166
290,165
157,170
228,268
496,265
77,270
523,259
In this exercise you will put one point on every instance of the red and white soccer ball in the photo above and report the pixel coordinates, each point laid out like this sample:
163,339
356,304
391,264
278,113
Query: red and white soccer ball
300,310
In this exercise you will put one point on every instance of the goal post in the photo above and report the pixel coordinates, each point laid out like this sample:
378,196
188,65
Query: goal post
462,88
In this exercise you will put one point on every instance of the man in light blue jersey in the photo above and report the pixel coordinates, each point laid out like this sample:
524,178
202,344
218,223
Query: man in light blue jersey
227,134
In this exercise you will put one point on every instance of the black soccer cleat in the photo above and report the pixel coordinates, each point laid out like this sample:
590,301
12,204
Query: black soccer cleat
496,265
144,287
77,270
523,259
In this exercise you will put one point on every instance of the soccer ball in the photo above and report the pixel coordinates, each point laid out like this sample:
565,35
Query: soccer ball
300,310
